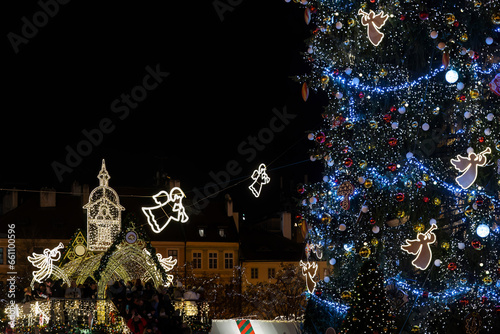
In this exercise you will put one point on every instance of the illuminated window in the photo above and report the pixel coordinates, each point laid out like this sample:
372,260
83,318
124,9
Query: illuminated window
196,260
173,253
228,261
201,231
212,260
254,273
271,273
222,233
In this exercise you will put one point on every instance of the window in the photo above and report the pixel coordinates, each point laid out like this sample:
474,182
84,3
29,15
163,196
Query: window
222,232
212,260
271,273
173,253
1,255
254,273
201,231
228,261
196,260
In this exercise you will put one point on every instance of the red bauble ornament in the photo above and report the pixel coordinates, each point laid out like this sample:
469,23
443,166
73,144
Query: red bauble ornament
387,118
392,167
361,95
423,15
348,162
464,302
393,142
481,139
393,109
452,266
402,17
320,138
426,199
419,184
400,197
425,294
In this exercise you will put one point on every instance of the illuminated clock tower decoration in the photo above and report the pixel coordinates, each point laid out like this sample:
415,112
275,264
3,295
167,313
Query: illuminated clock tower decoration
103,214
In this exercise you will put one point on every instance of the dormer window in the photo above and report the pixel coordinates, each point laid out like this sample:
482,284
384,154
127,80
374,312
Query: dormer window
201,231
222,232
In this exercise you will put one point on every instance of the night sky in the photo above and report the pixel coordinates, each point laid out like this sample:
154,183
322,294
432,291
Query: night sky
182,88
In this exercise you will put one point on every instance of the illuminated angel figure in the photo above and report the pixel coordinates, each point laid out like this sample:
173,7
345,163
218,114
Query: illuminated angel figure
158,218
374,22
309,270
260,178
421,248
44,262
468,166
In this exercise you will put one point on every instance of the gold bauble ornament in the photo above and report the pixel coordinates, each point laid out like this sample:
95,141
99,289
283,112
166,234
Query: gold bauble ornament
419,228
326,218
364,252
464,37
363,164
445,245
346,295
487,280
436,201
450,18
351,22
435,111
368,183
495,18
383,72
425,177
474,93
374,242
373,124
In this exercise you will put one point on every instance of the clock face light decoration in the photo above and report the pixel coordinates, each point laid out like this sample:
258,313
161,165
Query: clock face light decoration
260,178
159,216
468,167
44,262
373,22
421,248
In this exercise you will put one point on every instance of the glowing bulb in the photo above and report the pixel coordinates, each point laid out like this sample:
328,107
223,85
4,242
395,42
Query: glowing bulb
451,76
483,230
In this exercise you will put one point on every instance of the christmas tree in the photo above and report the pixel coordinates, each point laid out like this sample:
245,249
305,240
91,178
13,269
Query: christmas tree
410,149
369,311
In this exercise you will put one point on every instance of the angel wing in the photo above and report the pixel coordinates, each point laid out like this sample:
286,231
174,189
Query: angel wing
167,263
39,260
461,163
412,246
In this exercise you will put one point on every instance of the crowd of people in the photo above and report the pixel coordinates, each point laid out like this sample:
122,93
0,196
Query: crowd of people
145,309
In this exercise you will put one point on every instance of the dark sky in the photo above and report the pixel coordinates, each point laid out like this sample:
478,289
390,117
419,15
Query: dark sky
219,76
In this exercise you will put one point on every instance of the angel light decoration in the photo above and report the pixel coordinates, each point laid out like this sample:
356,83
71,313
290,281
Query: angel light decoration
421,248
44,262
157,216
374,22
468,166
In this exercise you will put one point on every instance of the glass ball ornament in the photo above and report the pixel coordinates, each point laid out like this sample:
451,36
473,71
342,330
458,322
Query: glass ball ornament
342,227
437,262
483,230
434,34
451,76
375,229
489,40
461,245
333,261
